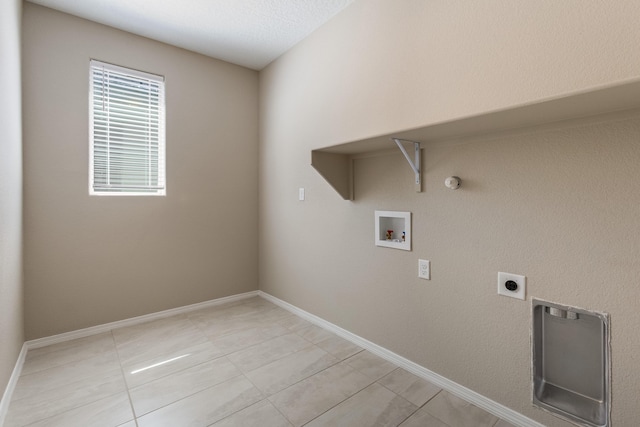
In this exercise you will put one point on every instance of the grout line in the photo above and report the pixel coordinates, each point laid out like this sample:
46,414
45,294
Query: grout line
438,418
309,377
191,395
417,407
73,409
241,409
279,411
124,379
346,398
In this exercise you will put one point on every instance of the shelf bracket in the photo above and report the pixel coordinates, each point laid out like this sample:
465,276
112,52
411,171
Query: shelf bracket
415,164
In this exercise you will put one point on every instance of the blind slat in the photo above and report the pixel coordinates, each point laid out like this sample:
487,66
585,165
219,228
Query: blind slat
125,139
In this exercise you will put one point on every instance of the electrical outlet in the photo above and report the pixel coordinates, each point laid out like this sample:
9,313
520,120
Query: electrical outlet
512,285
301,194
424,269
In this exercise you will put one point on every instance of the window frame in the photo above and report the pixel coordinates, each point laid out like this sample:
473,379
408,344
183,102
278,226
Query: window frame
161,188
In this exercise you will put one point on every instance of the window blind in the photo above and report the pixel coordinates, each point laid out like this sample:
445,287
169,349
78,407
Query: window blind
127,131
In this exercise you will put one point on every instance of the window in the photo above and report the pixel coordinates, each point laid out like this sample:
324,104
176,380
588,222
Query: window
127,141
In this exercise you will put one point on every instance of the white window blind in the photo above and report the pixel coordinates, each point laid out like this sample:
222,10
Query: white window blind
127,131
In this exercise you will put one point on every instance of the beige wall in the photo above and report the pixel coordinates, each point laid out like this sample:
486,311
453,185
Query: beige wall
92,260
11,325
559,205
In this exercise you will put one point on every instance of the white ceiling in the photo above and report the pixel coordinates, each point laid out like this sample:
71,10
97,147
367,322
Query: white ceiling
251,33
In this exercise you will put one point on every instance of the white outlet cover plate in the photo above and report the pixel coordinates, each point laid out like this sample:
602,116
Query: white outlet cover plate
519,293
424,269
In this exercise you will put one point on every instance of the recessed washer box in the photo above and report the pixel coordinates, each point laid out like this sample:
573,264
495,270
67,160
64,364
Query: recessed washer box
571,363
393,229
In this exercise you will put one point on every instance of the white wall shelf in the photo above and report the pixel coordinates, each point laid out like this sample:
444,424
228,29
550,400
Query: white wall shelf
393,229
335,162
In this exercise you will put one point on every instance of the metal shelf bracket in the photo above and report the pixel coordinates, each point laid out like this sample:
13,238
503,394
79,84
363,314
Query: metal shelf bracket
415,163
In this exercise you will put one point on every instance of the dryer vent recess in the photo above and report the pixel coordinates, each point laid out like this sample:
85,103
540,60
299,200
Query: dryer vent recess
571,363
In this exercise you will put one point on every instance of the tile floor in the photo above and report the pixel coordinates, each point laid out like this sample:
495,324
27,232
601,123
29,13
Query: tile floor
247,363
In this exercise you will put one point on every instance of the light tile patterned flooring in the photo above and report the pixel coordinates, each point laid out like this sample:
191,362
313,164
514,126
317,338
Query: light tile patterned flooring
247,363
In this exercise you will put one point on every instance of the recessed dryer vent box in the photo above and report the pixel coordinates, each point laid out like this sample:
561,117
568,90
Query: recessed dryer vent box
571,363
393,229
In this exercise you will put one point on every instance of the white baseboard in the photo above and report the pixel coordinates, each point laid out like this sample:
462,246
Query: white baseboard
471,396
11,386
93,330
